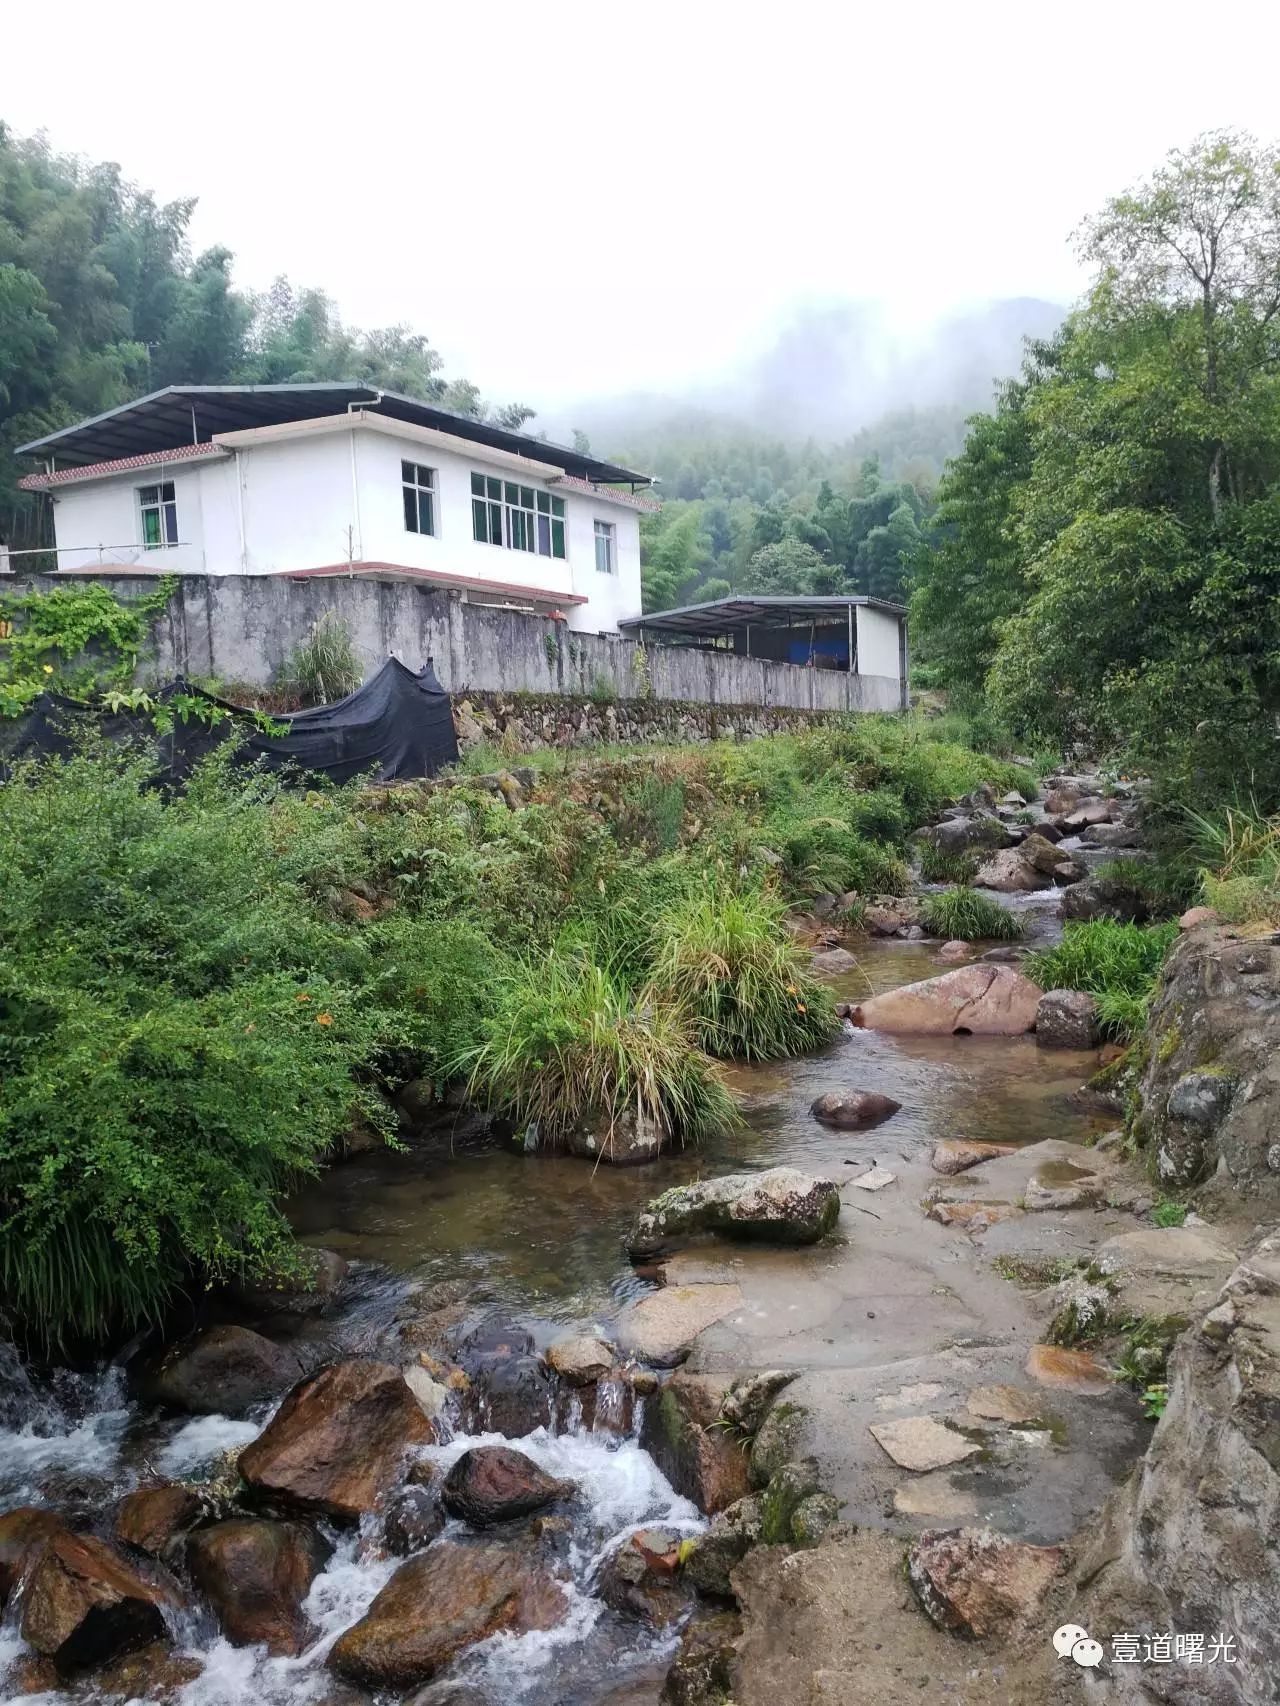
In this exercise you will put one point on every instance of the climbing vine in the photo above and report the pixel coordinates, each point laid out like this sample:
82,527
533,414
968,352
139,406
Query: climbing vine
81,640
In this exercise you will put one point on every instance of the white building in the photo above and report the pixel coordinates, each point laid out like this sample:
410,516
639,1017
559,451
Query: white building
320,480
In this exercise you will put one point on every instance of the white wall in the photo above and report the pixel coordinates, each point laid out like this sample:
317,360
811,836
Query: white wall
300,509
877,642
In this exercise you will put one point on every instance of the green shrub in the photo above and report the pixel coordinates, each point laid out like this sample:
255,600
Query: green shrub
1169,1212
939,866
325,667
1117,963
1157,888
725,959
879,815
965,915
569,1044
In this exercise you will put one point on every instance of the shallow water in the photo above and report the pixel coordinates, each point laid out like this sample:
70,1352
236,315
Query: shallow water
542,1237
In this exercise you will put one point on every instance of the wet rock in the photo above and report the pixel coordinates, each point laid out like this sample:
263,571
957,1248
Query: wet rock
222,1371
975,1582
337,1443
777,1441
625,1140
700,1458
960,834
814,1518
31,1673
151,1519
432,1394
921,1443
155,1673
1067,1018
85,1603
713,1556
511,1396
1103,897
22,1533
491,1484
973,1216
580,1358
1007,872
957,1155
833,962
954,953
414,1518
981,1000
660,1329
1004,1404
1088,811
780,1205
702,1672
1059,1191
309,1292
891,915
1071,1371
438,1604
744,1405
789,1487
256,1574
853,1110
639,1580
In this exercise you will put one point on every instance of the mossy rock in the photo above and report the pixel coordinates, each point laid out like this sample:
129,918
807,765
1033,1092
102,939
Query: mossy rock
782,1498
777,1441
814,1518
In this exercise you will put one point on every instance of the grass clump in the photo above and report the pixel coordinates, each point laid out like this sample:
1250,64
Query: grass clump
965,915
1118,964
325,667
571,1044
939,866
1239,852
725,961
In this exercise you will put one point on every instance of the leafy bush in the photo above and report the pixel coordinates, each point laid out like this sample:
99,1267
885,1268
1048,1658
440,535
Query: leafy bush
939,866
569,1044
1117,963
725,960
77,639
966,915
879,815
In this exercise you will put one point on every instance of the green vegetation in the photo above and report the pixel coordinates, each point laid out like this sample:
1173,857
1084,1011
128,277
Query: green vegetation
725,962
965,915
80,640
1238,847
1106,550
1116,963
325,667
939,866
1169,1212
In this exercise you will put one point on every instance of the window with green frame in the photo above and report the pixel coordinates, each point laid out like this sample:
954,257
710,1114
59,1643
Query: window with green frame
158,514
519,517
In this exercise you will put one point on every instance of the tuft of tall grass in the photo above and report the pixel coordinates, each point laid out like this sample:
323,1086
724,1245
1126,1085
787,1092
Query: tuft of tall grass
326,666
569,1043
966,915
939,866
1239,853
725,960
1117,963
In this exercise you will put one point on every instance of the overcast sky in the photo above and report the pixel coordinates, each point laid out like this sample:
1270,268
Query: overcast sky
575,200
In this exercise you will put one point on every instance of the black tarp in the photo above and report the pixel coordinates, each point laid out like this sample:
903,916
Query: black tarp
397,726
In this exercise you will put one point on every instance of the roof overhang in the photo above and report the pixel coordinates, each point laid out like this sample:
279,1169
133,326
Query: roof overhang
181,414
732,615
429,437
512,591
123,465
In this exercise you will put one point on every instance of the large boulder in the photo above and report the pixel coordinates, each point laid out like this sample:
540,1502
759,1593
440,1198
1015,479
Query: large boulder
22,1533
580,1358
492,1483
1101,896
153,1519
1192,1541
683,1432
255,1575
441,1602
976,1582
1067,1018
1035,863
1209,1096
853,1110
224,1370
639,1578
336,1444
511,1390
85,1603
780,1205
959,834
978,1000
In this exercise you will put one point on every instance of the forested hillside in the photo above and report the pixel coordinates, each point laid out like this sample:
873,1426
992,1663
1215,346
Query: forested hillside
101,299
1105,555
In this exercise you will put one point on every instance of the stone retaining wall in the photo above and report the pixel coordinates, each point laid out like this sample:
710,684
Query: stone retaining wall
522,722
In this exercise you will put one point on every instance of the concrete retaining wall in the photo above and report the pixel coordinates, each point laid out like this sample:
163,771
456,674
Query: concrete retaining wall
242,628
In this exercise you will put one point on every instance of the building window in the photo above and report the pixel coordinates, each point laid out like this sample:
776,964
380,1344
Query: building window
604,547
419,491
504,513
159,512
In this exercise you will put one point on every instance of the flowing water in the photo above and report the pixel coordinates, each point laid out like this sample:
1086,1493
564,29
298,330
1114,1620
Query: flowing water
542,1239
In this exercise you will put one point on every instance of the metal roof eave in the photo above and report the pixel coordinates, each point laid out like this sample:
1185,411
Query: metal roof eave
727,615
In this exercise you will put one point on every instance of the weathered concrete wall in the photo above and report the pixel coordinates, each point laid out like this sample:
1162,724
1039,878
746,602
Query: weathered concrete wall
242,628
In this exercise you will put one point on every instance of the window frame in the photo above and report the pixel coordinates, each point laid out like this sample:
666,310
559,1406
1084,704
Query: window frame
608,532
165,510
501,516
429,490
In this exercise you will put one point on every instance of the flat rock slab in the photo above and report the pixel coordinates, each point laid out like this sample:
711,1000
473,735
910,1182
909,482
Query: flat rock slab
919,1443
922,1392
1175,1250
957,1155
660,1329
1070,1371
978,1000
972,1215
1004,1404
875,1180
934,1495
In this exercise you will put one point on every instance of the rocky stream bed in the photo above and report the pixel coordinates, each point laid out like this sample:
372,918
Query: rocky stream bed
563,1434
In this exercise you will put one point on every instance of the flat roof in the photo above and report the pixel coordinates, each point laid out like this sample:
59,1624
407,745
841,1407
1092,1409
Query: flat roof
727,615
182,414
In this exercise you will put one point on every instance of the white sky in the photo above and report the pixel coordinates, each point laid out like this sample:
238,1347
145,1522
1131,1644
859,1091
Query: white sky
579,199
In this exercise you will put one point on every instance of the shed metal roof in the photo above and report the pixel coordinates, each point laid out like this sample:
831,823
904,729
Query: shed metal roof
728,615
179,414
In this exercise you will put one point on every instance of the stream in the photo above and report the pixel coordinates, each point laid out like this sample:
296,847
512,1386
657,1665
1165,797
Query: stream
539,1240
